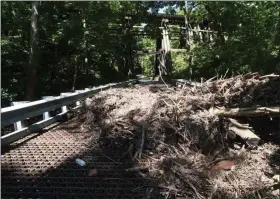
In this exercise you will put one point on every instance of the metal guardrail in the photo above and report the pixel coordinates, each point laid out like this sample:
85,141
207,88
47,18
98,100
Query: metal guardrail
20,112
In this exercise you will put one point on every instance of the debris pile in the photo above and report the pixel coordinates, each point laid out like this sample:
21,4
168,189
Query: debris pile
192,140
242,91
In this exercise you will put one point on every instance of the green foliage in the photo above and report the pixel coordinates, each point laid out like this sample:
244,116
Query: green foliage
251,30
67,30
147,62
89,38
180,65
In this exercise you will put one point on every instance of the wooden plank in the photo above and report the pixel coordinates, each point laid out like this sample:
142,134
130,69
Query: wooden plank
12,114
148,52
244,132
178,50
194,30
167,41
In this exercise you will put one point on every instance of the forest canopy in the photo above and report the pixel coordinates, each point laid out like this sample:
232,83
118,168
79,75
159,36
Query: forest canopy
53,47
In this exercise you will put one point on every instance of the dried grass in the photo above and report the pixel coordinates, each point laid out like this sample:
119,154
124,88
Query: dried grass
176,131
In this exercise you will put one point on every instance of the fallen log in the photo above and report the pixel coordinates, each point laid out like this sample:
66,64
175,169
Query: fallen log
247,112
244,132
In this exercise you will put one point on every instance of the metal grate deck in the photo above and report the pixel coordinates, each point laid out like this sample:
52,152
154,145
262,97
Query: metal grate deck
44,167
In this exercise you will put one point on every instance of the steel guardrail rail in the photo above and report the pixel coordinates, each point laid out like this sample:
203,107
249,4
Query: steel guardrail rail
10,115
14,114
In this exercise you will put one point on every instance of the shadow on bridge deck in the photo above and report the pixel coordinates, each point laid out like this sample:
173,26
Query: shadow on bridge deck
44,167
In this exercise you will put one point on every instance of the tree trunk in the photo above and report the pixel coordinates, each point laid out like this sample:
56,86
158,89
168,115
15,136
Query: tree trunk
75,73
158,47
277,42
183,38
86,66
127,46
131,63
33,60
244,132
186,25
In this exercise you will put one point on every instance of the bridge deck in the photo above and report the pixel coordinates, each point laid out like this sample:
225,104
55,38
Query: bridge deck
44,167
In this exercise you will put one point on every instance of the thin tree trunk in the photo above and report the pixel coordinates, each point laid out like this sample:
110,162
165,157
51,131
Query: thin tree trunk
86,68
33,61
75,73
131,62
158,47
277,42
127,40
187,25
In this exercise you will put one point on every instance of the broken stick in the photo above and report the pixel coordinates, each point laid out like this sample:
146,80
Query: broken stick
245,133
142,142
243,126
141,168
248,112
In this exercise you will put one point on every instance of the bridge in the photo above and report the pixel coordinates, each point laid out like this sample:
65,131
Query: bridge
118,141
40,160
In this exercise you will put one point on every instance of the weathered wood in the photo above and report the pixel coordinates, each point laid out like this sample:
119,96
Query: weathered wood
148,52
167,40
199,32
243,126
178,50
248,112
165,58
244,132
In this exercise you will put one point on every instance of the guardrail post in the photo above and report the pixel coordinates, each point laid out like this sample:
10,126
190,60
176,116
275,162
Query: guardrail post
46,115
64,108
78,103
18,125
87,89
